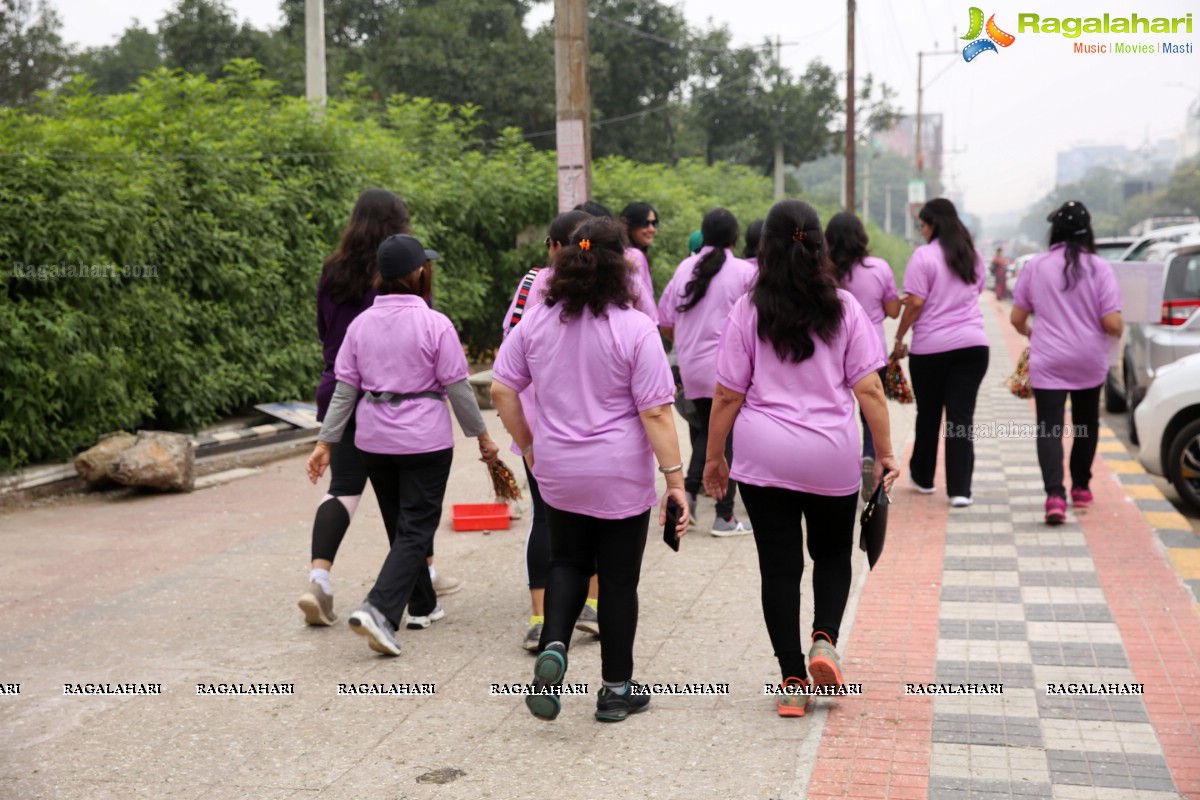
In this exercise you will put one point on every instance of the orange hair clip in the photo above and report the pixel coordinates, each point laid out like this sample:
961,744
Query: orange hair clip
798,235
585,244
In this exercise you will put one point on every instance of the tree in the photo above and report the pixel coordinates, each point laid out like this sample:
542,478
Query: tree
116,68
32,54
201,36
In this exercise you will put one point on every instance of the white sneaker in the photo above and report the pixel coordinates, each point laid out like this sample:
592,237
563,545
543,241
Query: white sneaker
420,623
922,489
960,502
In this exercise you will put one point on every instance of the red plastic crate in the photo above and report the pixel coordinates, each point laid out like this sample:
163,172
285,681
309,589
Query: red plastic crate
480,517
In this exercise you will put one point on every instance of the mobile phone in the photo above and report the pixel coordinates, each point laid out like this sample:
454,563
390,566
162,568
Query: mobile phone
670,536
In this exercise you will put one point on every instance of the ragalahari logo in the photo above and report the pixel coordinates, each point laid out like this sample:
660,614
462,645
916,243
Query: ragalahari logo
995,36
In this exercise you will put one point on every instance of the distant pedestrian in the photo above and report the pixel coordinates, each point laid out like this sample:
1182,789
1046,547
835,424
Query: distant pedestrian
1000,274
345,290
604,415
1076,303
405,360
873,285
641,223
796,353
692,314
753,233
949,354
537,543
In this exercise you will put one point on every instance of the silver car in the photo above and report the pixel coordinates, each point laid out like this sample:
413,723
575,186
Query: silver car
1150,346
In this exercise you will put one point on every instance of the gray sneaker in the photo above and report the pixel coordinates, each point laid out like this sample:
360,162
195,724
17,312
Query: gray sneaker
317,605
533,637
589,621
730,527
369,621
422,622
824,664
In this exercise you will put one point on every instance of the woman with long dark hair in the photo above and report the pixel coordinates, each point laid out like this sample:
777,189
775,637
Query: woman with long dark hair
795,354
537,543
1074,297
345,290
691,313
604,416
641,225
871,282
949,353
399,362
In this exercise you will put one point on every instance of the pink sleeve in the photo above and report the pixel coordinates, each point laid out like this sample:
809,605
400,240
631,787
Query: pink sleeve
506,326
510,367
889,281
735,353
1108,291
451,364
916,275
864,352
667,304
652,384
980,273
1023,294
345,368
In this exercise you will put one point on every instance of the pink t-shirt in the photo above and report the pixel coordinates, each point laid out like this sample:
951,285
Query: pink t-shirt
872,284
594,375
797,429
537,297
698,330
951,318
402,346
1068,348
644,283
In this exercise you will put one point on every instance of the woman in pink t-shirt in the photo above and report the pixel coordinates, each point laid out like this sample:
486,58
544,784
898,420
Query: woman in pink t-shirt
692,314
641,224
604,416
871,282
949,354
1075,299
795,354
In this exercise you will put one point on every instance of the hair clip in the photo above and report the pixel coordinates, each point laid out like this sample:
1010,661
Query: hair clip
585,244
798,235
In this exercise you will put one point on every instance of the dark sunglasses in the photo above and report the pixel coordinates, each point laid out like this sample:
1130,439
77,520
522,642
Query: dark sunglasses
650,223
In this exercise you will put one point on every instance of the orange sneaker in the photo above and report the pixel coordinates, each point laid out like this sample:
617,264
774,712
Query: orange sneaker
823,662
795,698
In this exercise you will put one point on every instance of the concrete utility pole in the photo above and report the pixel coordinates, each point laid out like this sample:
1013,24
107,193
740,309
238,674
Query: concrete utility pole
848,204
919,156
573,102
314,50
779,138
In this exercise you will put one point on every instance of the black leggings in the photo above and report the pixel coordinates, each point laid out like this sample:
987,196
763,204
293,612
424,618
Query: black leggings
537,544
948,381
695,471
1085,417
410,489
347,478
579,545
829,524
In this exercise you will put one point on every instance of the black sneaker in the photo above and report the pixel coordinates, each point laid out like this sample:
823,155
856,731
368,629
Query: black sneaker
613,706
548,671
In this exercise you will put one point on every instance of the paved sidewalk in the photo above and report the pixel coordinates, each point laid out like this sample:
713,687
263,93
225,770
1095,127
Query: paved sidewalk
200,589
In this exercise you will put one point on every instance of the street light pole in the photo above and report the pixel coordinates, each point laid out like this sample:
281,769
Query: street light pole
919,156
850,167
314,51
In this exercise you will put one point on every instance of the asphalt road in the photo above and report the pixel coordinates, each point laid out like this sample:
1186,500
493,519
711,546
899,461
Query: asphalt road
1120,426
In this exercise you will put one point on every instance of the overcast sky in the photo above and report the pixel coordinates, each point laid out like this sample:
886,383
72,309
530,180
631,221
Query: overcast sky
1007,114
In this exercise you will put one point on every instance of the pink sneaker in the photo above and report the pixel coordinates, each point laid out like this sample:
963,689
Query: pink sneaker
1081,498
1056,510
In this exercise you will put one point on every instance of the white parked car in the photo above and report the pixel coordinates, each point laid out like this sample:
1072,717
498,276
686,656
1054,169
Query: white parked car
1168,423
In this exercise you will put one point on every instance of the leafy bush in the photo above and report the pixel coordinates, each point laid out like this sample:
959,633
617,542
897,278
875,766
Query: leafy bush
209,207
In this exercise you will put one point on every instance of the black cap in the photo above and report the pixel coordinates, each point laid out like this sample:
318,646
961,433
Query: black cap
402,255
1072,216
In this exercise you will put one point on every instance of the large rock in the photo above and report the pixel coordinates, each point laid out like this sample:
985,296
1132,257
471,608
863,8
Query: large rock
96,465
158,460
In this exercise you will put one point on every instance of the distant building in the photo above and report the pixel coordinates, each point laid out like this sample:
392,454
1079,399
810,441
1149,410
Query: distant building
902,139
1075,163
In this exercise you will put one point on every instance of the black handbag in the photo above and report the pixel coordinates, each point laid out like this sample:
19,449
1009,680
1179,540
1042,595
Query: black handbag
874,525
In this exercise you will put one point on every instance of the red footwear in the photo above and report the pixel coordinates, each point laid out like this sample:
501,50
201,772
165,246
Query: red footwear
1081,498
795,698
824,665
1056,510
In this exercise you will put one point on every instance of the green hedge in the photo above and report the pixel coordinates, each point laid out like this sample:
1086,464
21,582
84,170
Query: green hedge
214,203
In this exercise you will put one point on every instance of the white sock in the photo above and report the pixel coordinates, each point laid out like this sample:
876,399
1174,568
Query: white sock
321,578
432,572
